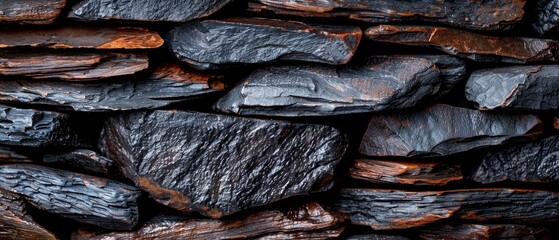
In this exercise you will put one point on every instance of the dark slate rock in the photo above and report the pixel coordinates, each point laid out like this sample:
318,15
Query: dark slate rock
478,15
145,10
546,16
530,162
396,209
306,90
12,155
218,165
376,237
166,85
217,43
519,87
475,46
86,199
444,130
81,160
30,11
484,231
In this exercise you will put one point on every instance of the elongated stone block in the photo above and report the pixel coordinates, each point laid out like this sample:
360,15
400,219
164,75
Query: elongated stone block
218,165
396,209
485,231
478,15
217,43
86,199
81,160
312,90
443,130
519,87
30,11
475,46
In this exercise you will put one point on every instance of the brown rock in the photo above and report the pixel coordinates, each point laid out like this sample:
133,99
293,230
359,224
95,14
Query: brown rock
484,231
30,11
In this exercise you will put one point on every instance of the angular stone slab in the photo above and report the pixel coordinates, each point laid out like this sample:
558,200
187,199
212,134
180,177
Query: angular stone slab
147,11
313,90
396,209
444,130
479,15
34,128
85,199
231,164
478,47
519,87
173,83
30,11
214,44
484,231
81,37
15,223
71,66
81,160
530,162
309,220
406,173
546,16
11,155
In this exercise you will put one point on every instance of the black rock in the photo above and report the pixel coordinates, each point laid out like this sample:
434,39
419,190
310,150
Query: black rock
218,165
12,156
546,16
30,11
81,160
484,231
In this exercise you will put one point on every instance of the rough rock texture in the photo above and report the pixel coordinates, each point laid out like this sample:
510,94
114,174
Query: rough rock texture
166,85
485,231
444,130
30,11
34,128
146,10
478,15
519,87
306,90
470,45
309,221
86,199
546,16
531,162
406,173
81,37
396,209
376,237
12,155
15,223
218,165
78,66
81,160
217,43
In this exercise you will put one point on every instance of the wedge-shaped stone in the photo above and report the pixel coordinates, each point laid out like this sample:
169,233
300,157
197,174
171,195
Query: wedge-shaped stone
406,173
530,162
77,66
546,16
478,47
218,43
479,15
519,87
146,10
81,37
30,11
395,209
310,220
444,130
218,165
166,85
306,90
81,160
484,231
34,128
86,199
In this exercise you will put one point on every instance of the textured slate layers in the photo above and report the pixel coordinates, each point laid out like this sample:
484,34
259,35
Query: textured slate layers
309,221
485,231
470,45
405,173
217,43
218,165
296,90
444,130
11,155
546,16
530,162
81,160
33,128
150,10
15,223
81,37
71,66
519,87
395,209
478,15
83,198
166,85
30,11
373,236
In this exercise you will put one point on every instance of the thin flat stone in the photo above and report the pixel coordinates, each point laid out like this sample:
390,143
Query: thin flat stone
30,11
